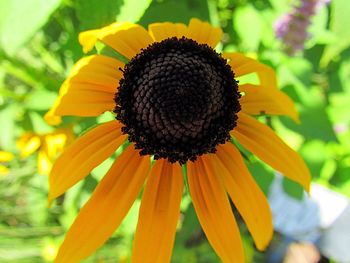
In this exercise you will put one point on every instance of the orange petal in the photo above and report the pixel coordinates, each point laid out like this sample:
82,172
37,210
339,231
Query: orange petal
213,210
83,155
159,214
106,208
89,89
258,100
126,38
242,65
265,144
245,193
161,31
204,33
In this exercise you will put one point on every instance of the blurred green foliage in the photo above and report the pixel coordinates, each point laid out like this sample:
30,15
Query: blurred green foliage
38,46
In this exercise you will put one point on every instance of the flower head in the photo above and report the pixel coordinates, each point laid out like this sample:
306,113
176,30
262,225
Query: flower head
179,101
5,157
48,146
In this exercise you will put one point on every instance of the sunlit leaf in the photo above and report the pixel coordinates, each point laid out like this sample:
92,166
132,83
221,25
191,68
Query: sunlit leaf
40,100
97,13
248,24
7,126
175,11
339,26
129,13
21,19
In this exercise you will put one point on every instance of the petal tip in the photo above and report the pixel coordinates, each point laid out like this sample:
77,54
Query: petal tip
52,119
87,40
49,202
195,19
262,246
296,119
307,187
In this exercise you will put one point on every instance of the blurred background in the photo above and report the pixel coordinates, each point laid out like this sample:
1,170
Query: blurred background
305,41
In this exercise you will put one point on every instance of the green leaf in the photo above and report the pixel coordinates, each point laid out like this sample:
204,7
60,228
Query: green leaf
175,11
315,124
97,13
133,10
339,26
21,19
39,124
7,126
263,175
190,243
295,73
341,175
189,225
292,189
40,100
315,154
248,23
318,29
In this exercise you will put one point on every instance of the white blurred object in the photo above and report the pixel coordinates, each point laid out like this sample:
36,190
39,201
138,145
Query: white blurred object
331,204
335,242
322,218
298,219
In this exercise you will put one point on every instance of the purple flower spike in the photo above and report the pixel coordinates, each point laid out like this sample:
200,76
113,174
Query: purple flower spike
292,27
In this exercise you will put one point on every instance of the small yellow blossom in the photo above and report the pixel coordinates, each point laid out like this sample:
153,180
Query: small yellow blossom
5,157
48,146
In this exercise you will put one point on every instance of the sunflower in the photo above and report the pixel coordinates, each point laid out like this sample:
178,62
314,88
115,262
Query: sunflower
48,146
177,102
5,157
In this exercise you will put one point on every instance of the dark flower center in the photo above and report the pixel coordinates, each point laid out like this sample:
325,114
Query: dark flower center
177,100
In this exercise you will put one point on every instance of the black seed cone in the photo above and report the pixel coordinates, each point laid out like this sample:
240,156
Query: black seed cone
178,100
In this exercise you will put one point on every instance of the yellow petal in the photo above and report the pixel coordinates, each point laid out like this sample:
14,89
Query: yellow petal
266,145
99,70
51,118
29,146
55,143
5,156
22,141
242,65
204,33
126,38
44,162
159,214
213,210
83,155
79,103
88,39
245,193
3,170
106,208
161,31
258,100
89,89
50,146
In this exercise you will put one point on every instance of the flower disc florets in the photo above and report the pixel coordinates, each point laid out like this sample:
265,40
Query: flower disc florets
178,100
